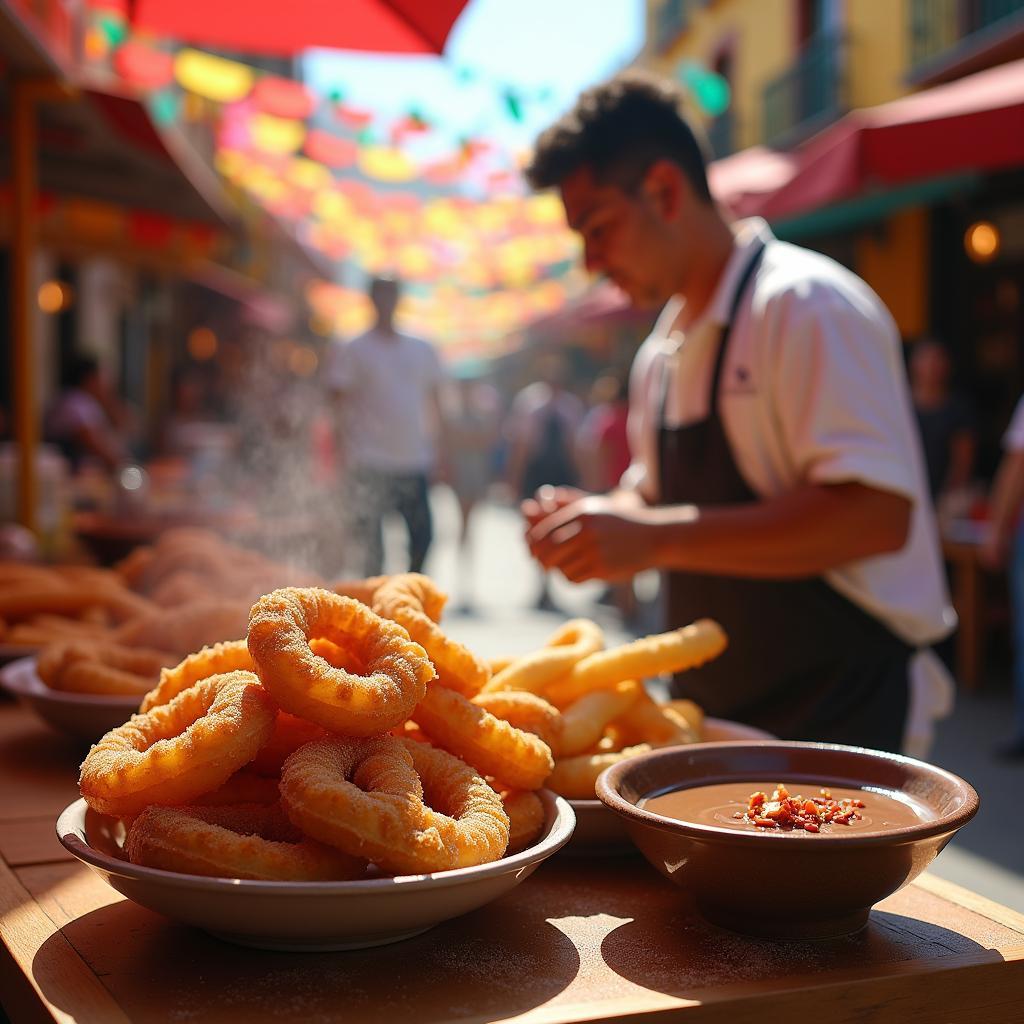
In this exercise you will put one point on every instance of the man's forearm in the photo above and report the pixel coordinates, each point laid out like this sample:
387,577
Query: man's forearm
805,533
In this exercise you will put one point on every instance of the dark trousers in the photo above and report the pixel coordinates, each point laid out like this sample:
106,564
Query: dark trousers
372,495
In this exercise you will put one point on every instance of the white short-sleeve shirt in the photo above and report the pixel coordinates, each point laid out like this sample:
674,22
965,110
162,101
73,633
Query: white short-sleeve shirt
386,381
813,389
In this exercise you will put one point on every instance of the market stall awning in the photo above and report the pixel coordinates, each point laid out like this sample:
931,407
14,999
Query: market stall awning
38,38
748,177
382,26
100,144
973,124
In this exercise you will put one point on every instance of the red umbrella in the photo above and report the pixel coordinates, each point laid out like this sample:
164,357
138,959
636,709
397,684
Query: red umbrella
270,27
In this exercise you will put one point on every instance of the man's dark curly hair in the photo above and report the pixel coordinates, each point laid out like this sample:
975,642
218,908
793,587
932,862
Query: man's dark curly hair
618,129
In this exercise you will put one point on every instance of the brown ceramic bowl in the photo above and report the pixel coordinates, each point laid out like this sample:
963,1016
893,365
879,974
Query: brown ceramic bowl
601,832
787,884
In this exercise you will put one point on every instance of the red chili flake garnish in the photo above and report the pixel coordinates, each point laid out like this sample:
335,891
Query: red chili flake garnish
794,812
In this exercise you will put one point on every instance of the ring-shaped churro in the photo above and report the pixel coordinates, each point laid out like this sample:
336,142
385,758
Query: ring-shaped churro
650,656
415,602
461,808
525,711
230,656
240,841
491,745
281,626
525,818
362,796
178,751
366,797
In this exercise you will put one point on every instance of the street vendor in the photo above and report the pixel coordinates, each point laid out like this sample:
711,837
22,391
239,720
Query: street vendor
777,478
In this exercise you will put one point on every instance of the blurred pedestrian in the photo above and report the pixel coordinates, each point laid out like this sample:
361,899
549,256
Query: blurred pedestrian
1005,544
541,428
777,476
387,390
593,475
946,423
472,432
87,421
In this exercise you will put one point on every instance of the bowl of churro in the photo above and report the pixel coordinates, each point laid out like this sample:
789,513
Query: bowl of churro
345,773
306,916
85,716
330,780
843,826
83,644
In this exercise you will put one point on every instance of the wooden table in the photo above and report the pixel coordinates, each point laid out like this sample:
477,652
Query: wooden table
968,593
581,940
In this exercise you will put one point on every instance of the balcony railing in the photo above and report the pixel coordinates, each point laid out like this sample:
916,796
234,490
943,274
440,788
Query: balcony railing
937,26
808,95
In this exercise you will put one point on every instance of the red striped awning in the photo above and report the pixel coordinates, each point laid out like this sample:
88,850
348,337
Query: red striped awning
973,124
276,29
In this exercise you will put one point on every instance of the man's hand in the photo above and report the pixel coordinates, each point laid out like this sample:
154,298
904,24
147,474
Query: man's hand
550,499
592,537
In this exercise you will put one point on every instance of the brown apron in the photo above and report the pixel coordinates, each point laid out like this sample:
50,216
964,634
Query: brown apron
803,662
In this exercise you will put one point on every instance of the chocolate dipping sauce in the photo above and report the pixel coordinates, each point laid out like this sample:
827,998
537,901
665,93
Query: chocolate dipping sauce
719,803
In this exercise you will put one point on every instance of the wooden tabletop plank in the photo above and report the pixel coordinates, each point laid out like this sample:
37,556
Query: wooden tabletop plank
39,767
972,901
47,966
580,940
31,841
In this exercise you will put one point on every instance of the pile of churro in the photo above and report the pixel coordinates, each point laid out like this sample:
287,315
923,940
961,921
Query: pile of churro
347,733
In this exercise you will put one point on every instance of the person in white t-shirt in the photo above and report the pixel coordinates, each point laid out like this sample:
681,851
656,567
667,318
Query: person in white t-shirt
777,476
1005,544
387,386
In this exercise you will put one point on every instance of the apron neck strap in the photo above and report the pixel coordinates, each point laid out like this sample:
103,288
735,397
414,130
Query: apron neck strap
737,298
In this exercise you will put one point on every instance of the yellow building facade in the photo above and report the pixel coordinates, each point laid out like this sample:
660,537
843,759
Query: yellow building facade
868,41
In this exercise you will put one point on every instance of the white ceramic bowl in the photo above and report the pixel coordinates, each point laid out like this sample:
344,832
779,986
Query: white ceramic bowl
84,715
600,831
308,916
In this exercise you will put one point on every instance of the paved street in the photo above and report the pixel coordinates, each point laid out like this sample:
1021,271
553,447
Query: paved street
987,855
